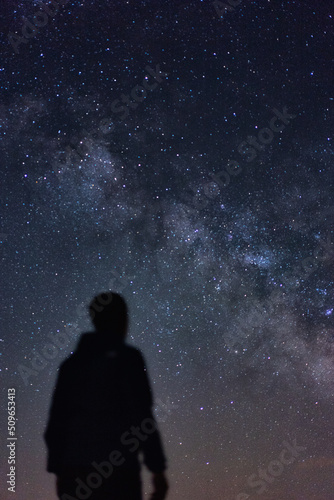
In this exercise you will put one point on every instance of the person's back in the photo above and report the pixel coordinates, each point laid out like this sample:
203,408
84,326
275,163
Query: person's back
101,415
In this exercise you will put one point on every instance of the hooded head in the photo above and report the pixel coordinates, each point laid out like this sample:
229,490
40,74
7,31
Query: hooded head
109,314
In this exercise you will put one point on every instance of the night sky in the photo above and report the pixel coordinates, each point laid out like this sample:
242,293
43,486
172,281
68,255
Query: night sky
179,153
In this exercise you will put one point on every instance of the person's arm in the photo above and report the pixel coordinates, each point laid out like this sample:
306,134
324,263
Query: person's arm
154,457
160,485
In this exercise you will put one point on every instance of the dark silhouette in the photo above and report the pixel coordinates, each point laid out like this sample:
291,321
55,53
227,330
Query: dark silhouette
101,415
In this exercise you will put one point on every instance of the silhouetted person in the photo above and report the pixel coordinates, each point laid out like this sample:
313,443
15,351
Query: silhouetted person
101,415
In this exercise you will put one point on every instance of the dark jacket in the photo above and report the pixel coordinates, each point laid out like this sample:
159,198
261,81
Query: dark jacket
101,401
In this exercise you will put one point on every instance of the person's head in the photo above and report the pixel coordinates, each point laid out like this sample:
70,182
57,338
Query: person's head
109,313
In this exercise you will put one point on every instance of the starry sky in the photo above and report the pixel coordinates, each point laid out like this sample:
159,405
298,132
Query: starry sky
181,154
